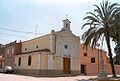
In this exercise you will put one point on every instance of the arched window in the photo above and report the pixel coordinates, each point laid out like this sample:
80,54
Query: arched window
19,61
36,46
29,60
66,25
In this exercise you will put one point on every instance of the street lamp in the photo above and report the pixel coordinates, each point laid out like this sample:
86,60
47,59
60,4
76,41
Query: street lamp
101,73
98,45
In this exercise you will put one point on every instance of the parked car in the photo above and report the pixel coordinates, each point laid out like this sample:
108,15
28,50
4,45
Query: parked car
8,69
1,70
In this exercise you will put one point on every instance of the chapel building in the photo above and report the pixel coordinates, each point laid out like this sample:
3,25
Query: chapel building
56,53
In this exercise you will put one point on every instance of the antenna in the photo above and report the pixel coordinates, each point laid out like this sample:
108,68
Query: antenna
66,16
36,27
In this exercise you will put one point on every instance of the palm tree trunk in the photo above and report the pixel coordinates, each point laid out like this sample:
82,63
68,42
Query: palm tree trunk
110,56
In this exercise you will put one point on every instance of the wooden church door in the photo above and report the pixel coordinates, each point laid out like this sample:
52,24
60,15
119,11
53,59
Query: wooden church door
66,65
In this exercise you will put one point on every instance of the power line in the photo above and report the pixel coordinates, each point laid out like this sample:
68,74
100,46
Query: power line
12,35
18,31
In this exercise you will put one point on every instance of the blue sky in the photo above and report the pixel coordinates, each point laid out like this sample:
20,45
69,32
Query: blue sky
25,15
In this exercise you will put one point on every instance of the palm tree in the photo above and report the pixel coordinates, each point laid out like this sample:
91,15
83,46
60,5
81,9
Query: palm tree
115,35
100,22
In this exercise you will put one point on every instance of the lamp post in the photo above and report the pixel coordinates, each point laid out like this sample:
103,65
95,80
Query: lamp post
101,73
98,45
98,59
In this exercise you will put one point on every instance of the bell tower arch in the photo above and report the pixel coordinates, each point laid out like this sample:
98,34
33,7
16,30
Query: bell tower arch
66,25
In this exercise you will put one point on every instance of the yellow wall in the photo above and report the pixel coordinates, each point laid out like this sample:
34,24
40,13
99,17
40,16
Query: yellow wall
44,61
57,65
39,61
42,42
75,64
73,51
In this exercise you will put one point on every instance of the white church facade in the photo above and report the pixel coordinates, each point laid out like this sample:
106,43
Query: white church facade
56,53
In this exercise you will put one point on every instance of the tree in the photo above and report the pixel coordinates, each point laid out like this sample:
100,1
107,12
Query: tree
115,35
116,58
100,22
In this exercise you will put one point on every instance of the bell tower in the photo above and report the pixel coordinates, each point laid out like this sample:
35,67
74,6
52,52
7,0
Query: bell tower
66,25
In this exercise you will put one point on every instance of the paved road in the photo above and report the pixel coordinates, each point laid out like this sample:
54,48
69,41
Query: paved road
13,77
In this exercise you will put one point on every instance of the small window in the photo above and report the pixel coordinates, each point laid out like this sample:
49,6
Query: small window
29,60
85,54
8,51
36,46
25,49
66,25
19,61
12,50
92,60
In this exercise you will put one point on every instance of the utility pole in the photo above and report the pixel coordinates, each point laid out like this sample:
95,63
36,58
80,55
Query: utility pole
36,28
101,74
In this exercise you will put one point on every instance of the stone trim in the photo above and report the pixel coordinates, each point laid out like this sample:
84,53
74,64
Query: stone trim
41,50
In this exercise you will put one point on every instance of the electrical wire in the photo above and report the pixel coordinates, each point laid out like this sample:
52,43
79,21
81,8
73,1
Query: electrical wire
13,35
27,32
18,31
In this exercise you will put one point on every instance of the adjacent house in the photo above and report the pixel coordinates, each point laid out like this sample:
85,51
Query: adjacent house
12,49
56,53
89,60
2,53
2,49
2,60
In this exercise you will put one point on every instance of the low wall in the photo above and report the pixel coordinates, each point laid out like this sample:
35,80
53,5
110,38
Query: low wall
92,69
108,70
34,72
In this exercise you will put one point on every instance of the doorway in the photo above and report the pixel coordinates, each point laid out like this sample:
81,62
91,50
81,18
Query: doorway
83,69
66,65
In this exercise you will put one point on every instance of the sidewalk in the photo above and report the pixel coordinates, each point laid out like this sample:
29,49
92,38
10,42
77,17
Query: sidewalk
14,77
